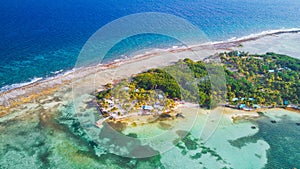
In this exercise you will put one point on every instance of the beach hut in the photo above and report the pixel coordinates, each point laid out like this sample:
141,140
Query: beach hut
251,99
147,108
242,106
235,99
271,71
256,106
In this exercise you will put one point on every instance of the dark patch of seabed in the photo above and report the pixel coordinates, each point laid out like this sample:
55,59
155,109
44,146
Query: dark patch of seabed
70,120
54,141
283,138
190,143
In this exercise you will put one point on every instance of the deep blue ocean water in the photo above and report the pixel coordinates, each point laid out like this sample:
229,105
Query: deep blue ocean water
39,38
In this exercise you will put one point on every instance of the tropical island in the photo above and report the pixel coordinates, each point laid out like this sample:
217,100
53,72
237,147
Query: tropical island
63,120
252,81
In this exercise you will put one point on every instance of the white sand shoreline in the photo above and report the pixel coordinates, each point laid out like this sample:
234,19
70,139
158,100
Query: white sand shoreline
83,78
233,42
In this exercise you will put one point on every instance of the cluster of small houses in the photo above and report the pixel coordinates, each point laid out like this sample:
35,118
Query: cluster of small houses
240,54
144,110
278,70
244,106
255,106
157,109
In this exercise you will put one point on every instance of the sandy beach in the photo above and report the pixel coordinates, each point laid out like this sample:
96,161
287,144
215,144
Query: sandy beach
90,79
45,117
150,84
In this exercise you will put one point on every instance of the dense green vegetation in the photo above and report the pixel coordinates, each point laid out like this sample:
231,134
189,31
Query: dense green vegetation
158,79
270,79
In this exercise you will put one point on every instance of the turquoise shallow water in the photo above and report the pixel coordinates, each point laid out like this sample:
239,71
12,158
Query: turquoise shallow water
283,138
40,38
53,138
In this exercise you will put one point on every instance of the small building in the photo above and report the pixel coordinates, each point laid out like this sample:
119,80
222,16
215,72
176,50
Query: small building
114,115
256,106
242,99
110,102
286,102
280,69
235,99
148,108
251,99
248,109
126,88
293,106
160,97
242,106
271,71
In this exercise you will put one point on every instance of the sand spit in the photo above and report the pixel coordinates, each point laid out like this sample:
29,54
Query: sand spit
88,79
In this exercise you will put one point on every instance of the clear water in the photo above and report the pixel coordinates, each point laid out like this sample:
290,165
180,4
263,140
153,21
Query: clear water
55,140
283,138
39,38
